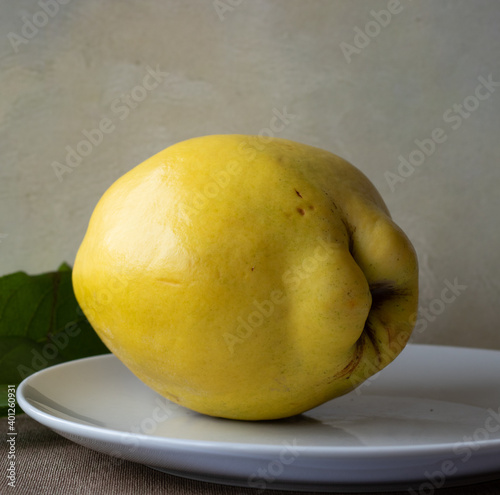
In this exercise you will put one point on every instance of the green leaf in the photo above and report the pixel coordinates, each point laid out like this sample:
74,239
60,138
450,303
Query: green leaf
41,324
64,267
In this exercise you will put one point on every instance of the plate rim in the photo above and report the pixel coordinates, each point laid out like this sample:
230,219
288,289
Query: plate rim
322,451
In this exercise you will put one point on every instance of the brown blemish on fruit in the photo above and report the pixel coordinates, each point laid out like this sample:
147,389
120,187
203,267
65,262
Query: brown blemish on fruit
301,211
298,194
369,332
172,397
350,234
334,204
349,369
381,292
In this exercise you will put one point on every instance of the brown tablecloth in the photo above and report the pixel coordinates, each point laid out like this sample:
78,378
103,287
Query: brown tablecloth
48,464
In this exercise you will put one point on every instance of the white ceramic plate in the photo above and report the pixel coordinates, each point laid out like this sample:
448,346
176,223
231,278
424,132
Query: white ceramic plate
431,418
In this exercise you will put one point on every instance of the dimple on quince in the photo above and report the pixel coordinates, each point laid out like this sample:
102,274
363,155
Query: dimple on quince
247,279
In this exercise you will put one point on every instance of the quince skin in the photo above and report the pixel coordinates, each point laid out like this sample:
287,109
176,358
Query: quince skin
247,278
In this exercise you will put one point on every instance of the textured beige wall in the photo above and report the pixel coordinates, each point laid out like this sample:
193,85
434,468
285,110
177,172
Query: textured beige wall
342,75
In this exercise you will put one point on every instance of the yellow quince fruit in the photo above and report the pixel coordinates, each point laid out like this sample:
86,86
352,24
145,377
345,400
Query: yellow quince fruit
247,277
